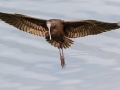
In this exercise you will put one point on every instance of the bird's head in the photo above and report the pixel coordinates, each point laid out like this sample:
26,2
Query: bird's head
49,24
52,23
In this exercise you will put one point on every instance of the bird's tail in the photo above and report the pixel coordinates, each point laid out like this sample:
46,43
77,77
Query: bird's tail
66,43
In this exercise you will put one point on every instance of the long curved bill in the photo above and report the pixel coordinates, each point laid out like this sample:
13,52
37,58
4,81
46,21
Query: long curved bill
49,32
48,25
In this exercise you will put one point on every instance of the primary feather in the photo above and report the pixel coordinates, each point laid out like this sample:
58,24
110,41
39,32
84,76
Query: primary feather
74,29
25,23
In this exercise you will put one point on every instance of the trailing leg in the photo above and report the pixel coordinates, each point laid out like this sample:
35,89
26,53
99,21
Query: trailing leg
61,55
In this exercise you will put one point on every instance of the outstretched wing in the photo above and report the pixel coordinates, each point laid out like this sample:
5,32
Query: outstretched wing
74,29
25,23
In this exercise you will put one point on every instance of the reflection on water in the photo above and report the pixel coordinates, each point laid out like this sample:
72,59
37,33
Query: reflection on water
28,62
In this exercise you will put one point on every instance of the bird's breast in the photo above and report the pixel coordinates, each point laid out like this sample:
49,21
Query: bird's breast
57,34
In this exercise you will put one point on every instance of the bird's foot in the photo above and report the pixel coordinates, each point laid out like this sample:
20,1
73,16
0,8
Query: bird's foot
62,61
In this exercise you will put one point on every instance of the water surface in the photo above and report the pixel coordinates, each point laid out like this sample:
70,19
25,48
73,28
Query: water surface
28,62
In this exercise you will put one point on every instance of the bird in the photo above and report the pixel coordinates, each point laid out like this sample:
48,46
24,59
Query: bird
58,32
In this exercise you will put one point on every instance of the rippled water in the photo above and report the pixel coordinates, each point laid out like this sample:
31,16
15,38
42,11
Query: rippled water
28,62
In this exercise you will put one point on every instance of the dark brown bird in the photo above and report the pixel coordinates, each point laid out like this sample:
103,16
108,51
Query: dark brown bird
57,32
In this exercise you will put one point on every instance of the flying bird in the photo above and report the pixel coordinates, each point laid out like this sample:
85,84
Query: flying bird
56,31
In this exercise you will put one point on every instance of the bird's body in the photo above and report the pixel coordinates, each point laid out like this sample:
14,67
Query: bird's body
57,32
58,37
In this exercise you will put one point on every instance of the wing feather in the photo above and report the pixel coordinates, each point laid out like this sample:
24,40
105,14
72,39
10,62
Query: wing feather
74,29
25,23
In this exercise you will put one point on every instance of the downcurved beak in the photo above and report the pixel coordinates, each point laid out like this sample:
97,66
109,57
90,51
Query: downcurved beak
49,25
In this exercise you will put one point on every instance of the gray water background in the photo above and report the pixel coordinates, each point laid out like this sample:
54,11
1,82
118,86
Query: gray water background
28,62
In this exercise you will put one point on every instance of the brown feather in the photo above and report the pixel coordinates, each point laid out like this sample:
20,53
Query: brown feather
25,23
74,29
66,44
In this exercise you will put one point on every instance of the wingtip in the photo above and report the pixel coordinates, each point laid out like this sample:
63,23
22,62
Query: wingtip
118,23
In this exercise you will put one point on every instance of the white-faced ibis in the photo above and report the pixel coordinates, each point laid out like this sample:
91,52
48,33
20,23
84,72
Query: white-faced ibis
57,32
